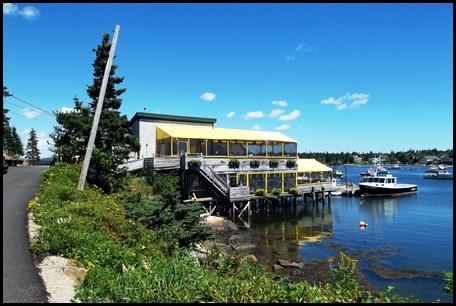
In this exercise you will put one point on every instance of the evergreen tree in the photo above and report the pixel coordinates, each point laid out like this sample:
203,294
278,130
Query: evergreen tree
32,154
6,123
16,147
113,141
72,134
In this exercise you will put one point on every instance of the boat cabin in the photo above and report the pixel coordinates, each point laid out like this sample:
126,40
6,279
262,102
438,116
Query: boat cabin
389,179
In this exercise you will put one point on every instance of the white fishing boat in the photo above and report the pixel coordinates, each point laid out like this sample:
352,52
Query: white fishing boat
435,169
384,186
338,174
395,167
378,168
440,174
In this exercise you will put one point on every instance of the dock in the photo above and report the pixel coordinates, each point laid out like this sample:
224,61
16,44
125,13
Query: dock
348,189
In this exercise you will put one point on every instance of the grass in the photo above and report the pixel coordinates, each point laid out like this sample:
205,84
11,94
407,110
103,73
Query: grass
137,248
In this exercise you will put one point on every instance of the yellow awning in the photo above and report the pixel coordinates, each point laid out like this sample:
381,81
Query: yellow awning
274,136
219,133
311,165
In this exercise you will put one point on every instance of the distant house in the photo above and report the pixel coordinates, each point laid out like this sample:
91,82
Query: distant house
445,160
428,159
357,159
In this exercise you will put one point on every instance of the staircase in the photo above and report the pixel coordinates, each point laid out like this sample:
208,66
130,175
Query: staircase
220,186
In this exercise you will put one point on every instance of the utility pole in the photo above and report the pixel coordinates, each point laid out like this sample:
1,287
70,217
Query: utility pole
96,118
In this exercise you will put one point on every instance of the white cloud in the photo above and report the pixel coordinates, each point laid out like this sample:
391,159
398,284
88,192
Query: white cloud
280,103
230,114
276,113
256,127
299,47
28,12
283,127
291,116
289,58
344,102
10,9
66,110
255,114
208,96
29,113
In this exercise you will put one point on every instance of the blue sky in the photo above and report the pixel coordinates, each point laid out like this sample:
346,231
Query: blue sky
334,77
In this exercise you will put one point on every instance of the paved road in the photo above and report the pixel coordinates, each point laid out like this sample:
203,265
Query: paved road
21,281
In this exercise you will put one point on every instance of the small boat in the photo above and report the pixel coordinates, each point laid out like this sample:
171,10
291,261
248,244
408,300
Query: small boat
347,189
384,186
395,167
435,169
378,168
338,174
440,174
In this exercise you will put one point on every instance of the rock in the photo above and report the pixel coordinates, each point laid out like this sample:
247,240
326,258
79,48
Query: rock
242,246
220,224
251,256
287,263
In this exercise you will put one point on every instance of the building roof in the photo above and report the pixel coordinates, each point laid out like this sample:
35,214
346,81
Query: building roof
219,133
174,118
311,165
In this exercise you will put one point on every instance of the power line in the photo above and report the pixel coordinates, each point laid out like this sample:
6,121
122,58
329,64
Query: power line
40,111
32,118
44,111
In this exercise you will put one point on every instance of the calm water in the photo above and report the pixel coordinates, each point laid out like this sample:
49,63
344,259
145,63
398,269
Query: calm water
408,241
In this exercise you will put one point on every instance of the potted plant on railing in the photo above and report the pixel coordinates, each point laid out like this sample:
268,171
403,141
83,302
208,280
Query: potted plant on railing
254,163
260,192
291,163
273,163
276,191
234,163
294,191
194,164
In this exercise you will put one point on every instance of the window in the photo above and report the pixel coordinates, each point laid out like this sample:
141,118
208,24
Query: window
274,149
257,149
291,149
274,181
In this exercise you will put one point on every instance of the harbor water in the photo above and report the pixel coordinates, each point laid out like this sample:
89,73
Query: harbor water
407,244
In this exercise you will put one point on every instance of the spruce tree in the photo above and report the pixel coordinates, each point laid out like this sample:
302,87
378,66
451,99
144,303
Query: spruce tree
16,147
72,134
6,122
113,141
32,153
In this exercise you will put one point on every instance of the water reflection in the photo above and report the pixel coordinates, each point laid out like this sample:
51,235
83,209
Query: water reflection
376,207
303,223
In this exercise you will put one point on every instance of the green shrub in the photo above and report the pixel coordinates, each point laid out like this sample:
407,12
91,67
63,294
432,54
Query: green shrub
234,163
276,191
254,163
294,191
273,163
194,163
260,192
291,163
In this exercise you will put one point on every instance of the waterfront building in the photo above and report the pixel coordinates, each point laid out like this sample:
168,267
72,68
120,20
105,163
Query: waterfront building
221,164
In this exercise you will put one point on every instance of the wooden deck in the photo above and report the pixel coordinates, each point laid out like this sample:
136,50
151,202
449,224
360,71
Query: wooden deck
236,202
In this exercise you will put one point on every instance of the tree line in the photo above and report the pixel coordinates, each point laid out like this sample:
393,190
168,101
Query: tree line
12,143
408,157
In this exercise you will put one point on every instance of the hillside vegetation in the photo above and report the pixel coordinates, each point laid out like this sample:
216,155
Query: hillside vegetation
137,246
